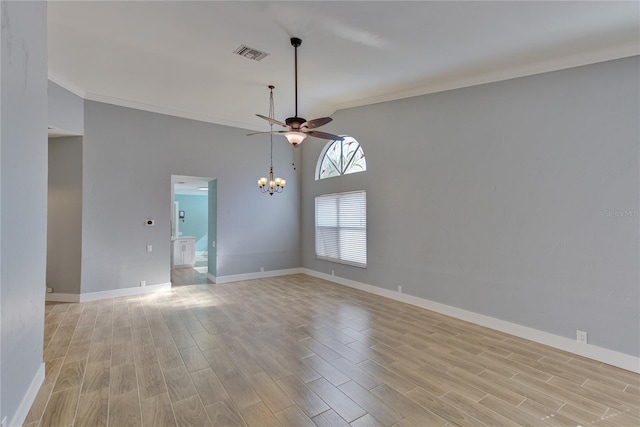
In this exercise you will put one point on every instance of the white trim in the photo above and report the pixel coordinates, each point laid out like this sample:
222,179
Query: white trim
211,277
59,297
115,293
76,90
258,275
611,357
90,96
112,293
571,61
28,398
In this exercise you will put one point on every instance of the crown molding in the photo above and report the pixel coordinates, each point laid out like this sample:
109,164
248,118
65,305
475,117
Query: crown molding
572,61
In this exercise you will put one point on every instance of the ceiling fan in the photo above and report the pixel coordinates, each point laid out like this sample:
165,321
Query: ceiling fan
297,127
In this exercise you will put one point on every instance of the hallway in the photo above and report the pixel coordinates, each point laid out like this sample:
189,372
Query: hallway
197,275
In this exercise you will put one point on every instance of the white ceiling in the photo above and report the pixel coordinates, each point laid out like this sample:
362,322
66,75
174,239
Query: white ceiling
176,57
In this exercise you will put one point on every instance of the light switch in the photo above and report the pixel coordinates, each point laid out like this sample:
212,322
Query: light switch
149,248
213,243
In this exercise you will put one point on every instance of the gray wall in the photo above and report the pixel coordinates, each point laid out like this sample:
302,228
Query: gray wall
129,157
66,110
23,190
64,215
518,200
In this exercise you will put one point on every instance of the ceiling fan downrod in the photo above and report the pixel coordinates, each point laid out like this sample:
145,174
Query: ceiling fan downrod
296,42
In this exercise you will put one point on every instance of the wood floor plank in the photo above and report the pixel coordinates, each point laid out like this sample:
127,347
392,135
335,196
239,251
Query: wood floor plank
303,396
326,370
523,390
39,404
329,419
367,421
336,399
296,349
477,411
123,379
52,369
150,380
122,354
124,410
443,409
390,378
78,350
240,391
96,377
219,361
370,403
224,414
546,415
93,409
258,415
293,416
179,383
300,369
190,413
61,409
209,387
168,355
516,415
193,359
270,393
407,407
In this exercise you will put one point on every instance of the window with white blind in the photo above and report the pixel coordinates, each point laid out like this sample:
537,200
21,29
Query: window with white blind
341,228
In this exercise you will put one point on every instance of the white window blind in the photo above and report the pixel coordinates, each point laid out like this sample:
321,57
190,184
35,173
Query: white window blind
341,228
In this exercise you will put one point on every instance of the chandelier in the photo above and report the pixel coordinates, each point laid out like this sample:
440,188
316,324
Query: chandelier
271,185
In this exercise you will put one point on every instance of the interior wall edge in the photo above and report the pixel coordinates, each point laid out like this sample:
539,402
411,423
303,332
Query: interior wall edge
29,397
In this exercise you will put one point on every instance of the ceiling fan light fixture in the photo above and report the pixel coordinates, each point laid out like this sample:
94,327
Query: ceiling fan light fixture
298,128
295,137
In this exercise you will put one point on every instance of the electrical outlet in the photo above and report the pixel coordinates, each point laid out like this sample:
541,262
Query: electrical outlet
581,336
143,283
261,269
149,248
49,290
399,289
333,273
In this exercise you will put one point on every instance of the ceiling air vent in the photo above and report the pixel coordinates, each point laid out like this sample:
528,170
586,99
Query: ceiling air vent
251,53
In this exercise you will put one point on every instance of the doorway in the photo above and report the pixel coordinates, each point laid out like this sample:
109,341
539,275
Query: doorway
193,230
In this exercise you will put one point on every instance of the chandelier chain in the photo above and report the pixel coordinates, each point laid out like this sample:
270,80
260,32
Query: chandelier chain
271,185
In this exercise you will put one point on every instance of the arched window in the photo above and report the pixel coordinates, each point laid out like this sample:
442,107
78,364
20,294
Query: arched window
341,158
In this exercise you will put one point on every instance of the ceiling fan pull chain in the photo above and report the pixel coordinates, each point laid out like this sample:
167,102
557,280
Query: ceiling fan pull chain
293,157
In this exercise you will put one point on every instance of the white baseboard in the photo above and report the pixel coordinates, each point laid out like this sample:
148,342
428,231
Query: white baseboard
211,277
126,292
28,398
59,297
610,357
113,293
257,275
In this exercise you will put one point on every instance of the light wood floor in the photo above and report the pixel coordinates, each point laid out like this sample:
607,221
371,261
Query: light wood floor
299,351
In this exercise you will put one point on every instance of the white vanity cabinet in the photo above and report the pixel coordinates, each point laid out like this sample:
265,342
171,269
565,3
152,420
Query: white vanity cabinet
184,252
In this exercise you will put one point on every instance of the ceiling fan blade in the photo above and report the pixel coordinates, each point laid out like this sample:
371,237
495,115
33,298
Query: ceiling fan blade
324,135
274,121
315,123
265,133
